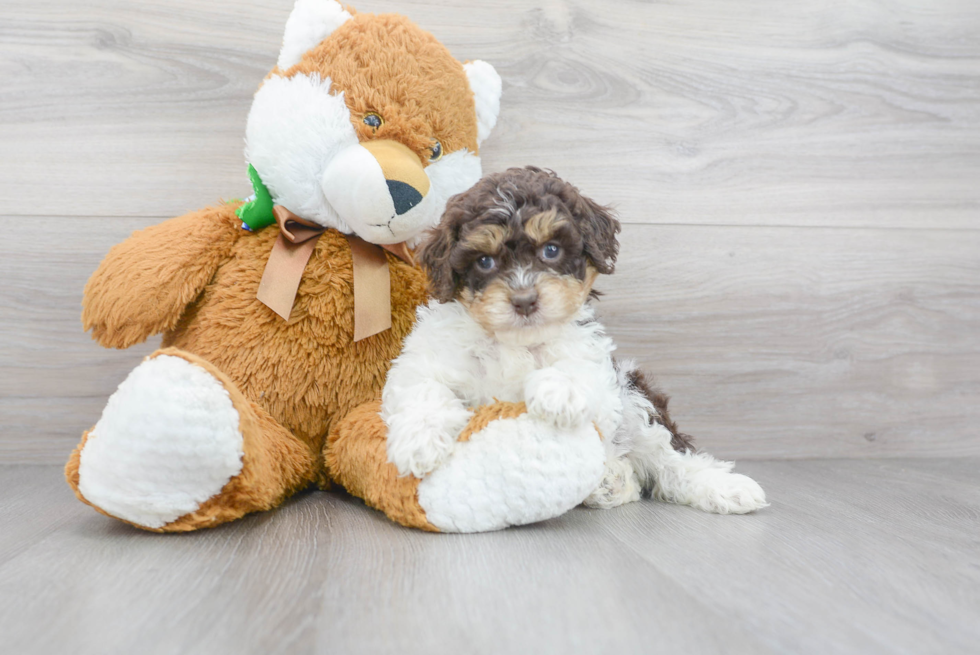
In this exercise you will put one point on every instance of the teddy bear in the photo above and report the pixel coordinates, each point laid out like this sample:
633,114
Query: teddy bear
281,314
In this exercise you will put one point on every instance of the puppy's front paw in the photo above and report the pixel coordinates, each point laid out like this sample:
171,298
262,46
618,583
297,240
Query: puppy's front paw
419,450
552,395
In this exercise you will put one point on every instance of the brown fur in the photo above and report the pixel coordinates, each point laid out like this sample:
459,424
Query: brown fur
145,283
542,227
382,63
678,440
290,379
510,219
566,292
357,458
527,202
488,238
489,308
484,416
560,298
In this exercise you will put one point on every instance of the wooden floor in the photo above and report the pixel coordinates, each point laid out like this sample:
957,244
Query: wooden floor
858,556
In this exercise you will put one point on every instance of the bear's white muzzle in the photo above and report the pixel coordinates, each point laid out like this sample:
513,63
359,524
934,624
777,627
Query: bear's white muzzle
380,189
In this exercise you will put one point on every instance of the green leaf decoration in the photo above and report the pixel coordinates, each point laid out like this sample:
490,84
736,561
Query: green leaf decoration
257,213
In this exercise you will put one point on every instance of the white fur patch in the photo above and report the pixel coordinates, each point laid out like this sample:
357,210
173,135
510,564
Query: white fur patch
486,86
168,440
423,421
513,472
356,189
554,395
310,22
448,347
295,129
619,486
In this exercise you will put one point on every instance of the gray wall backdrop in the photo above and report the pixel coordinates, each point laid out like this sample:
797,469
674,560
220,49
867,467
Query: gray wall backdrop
799,183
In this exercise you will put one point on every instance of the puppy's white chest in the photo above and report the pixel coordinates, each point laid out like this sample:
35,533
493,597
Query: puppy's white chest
503,369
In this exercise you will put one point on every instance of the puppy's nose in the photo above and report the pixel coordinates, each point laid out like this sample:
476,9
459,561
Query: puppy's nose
404,196
525,302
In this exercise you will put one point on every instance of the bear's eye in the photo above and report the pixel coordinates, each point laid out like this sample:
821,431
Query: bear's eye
550,252
486,263
436,151
373,120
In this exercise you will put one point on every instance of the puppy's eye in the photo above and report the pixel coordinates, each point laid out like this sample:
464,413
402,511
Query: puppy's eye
486,263
436,151
373,120
550,252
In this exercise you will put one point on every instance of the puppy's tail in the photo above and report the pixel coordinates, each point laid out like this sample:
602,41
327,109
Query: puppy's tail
665,461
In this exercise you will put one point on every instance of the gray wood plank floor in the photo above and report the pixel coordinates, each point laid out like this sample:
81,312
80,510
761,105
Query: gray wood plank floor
853,556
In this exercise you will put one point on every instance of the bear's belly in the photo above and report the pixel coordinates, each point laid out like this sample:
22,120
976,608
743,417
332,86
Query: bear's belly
308,371
513,472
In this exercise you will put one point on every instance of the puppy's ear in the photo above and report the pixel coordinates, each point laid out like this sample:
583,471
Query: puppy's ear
599,228
435,255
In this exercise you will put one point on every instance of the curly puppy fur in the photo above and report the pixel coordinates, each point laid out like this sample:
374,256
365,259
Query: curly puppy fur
511,269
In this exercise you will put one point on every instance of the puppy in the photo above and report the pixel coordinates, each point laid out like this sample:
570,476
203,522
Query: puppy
512,266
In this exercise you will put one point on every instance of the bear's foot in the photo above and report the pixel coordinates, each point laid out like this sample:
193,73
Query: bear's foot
168,441
507,468
514,471
179,448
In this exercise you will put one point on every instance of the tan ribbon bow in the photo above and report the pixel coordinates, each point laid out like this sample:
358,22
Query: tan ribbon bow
293,249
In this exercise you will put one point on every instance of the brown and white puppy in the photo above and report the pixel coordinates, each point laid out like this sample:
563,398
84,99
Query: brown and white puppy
521,250
512,266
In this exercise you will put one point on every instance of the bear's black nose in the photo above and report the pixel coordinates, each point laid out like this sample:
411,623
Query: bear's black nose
403,195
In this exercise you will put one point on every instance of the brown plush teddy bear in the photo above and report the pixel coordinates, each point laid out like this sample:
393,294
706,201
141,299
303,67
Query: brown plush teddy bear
281,315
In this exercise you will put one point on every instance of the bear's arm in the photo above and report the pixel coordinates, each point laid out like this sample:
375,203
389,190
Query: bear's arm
145,283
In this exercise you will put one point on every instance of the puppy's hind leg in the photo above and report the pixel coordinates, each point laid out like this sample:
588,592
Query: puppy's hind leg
666,463
620,485
692,478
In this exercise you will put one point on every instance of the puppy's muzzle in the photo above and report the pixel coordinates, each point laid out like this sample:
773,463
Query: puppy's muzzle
525,302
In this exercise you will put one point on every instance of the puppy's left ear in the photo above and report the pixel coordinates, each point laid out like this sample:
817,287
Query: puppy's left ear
598,227
435,255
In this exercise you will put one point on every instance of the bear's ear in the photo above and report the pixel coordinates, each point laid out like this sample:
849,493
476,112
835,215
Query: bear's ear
485,84
311,22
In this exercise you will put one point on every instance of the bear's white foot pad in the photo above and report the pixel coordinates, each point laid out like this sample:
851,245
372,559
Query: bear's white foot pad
513,472
168,440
